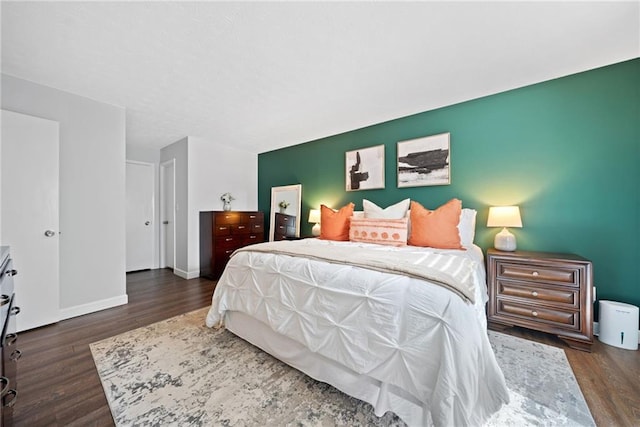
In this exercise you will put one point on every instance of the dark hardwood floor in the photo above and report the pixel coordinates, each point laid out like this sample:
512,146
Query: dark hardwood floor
59,384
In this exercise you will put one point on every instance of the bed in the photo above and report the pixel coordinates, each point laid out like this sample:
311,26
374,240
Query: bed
401,340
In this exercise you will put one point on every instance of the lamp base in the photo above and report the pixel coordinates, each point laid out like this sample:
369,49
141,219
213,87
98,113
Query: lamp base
505,241
315,231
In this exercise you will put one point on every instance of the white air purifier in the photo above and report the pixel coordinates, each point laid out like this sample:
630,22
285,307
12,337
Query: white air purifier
619,324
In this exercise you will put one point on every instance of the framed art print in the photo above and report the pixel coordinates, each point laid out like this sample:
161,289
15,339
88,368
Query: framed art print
424,161
365,168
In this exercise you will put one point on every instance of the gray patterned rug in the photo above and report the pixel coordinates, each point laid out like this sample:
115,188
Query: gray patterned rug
179,372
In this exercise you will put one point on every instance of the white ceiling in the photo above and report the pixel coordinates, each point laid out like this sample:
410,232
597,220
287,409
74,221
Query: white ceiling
263,75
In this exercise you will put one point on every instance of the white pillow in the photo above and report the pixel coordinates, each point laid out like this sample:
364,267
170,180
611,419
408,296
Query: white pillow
397,211
467,226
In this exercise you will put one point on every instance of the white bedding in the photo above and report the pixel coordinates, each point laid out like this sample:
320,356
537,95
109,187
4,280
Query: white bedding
399,331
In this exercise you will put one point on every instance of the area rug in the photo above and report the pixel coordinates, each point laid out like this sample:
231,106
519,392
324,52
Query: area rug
179,372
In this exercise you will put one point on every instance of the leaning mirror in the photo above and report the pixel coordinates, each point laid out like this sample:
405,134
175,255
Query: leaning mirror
284,219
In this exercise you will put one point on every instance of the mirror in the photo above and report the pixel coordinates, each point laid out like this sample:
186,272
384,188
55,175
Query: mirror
284,218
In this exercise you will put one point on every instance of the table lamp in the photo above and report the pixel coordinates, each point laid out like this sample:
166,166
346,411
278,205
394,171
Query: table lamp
314,218
504,216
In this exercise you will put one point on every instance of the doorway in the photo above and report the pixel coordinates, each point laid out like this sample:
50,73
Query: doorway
140,215
29,166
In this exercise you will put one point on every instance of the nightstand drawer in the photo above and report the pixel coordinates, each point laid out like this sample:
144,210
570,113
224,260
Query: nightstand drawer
566,296
564,319
536,273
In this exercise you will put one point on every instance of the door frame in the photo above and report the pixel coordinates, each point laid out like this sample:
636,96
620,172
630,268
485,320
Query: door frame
163,205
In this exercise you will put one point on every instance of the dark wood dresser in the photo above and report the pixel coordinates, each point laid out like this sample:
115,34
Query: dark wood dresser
222,232
547,292
285,226
9,355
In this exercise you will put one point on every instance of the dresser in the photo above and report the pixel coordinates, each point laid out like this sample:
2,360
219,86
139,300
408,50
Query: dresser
9,355
222,232
284,227
548,292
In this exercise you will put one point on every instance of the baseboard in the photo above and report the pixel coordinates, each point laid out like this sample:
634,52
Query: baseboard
596,330
185,274
92,307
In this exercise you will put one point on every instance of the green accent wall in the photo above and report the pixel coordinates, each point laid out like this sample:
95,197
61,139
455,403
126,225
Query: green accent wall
567,151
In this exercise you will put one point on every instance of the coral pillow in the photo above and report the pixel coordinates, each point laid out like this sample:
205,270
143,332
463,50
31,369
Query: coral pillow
438,228
335,225
381,231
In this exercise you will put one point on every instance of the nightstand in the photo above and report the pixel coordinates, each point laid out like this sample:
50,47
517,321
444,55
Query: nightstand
548,292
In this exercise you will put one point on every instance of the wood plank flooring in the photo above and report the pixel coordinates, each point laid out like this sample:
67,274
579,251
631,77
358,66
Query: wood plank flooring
59,384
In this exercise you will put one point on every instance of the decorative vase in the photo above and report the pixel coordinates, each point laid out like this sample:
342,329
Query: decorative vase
227,206
282,210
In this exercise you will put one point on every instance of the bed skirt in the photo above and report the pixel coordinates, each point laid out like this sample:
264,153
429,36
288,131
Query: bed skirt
382,396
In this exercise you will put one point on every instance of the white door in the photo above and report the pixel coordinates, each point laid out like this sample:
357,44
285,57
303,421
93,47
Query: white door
167,215
29,163
139,183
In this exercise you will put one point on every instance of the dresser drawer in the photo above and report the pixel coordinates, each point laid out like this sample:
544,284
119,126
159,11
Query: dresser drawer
285,220
527,312
538,273
222,230
253,218
243,228
250,239
228,241
567,297
227,218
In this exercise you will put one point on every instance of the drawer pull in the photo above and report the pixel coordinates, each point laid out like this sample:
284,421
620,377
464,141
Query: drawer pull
240,227
228,239
15,310
4,299
15,355
535,274
12,401
5,386
228,251
252,216
252,237
11,339
222,228
534,313
534,293
11,272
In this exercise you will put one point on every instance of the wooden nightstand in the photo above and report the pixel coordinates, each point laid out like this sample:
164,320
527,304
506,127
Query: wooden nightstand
548,292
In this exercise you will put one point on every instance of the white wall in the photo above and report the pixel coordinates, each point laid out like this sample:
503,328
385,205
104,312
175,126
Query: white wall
92,192
204,171
215,169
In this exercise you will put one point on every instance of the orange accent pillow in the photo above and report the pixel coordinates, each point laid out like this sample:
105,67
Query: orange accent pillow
391,232
335,225
438,228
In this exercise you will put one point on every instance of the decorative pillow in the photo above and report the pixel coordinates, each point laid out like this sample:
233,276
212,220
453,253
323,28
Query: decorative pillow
335,225
467,227
437,228
381,231
397,211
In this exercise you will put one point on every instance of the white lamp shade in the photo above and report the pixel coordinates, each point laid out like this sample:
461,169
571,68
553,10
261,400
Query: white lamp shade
504,216
314,216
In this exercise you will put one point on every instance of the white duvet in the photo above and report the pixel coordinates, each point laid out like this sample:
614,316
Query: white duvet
399,330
